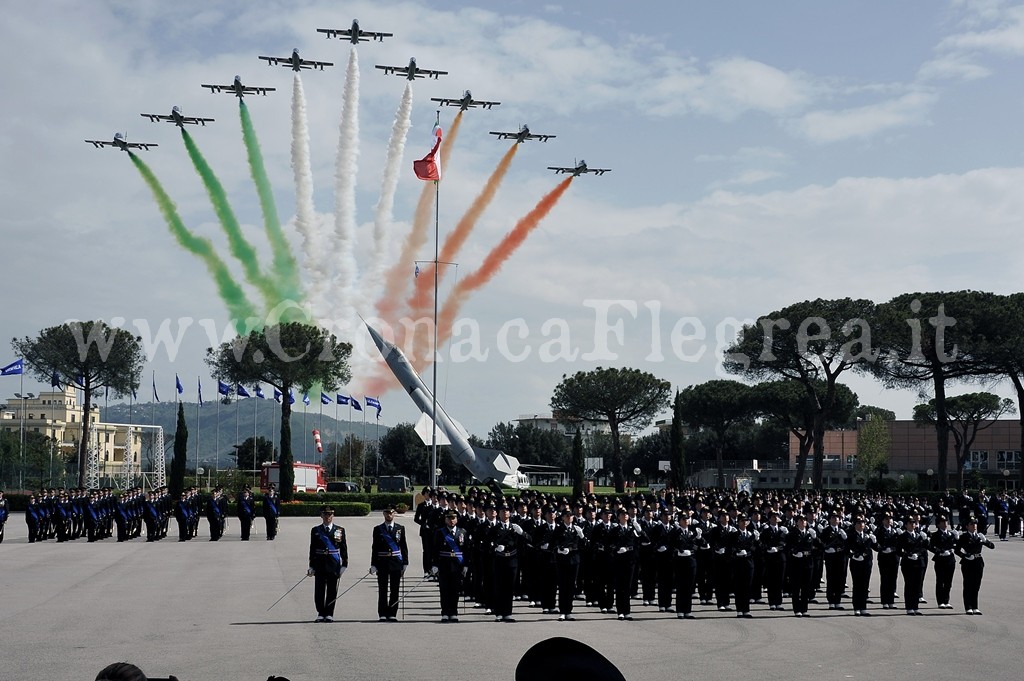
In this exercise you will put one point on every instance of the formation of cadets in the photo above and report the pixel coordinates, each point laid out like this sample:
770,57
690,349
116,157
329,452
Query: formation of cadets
673,551
70,514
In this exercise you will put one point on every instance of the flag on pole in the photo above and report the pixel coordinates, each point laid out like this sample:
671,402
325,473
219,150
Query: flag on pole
355,404
199,384
427,168
241,391
342,399
305,399
259,392
375,403
156,396
291,397
416,274
223,388
325,398
178,386
15,368
55,381
277,395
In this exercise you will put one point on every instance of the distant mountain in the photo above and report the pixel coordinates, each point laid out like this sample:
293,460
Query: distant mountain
237,422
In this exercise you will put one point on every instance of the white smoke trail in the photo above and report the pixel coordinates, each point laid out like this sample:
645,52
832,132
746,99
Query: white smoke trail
343,251
389,185
315,265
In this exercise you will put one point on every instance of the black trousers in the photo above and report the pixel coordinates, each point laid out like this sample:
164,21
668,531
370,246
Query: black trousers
545,579
912,581
835,577
888,569
504,571
449,584
705,585
325,590
684,569
945,566
271,528
801,571
665,579
721,569
774,574
246,523
742,577
624,571
567,568
972,572
860,572
388,582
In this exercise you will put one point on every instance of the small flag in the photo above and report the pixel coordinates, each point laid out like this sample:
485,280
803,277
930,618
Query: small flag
324,398
241,391
375,403
223,388
416,274
259,392
199,384
427,168
177,385
355,404
277,395
291,397
342,399
305,399
15,368
55,381
135,395
156,397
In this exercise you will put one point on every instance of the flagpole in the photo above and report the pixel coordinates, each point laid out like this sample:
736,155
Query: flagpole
199,401
351,436
337,425
377,439
53,426
21,437
320,427
216,452
255,449
236,427
363,474
433,405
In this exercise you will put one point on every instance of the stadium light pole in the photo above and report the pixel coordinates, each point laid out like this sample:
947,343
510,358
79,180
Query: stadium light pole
21,435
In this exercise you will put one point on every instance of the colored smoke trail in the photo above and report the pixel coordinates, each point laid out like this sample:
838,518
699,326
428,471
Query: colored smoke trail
230,292
398,275
346,165
285,269
492,263
306,223
389,184
419,303
240,248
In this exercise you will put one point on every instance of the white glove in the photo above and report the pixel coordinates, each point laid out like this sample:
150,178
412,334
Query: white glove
564,552
947,552
741,554
579,531
858,558
544,546
662,549
887,550
500,548
830,550
464,571
719,551
842,533
373,570
310,572
912,556
684,553
518,530
636,525
434,570
343,568
969,557
773,549
871,538
622,549
403,569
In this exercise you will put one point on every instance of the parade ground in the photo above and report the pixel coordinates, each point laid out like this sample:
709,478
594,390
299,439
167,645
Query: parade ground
198,610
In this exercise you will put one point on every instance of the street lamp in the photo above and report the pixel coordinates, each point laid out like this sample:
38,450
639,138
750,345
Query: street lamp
21,436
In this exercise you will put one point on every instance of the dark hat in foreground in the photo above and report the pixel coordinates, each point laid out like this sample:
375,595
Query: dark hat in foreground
566,659
327,509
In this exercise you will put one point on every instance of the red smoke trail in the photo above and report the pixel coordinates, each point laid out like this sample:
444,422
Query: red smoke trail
492,263
419,302
397,277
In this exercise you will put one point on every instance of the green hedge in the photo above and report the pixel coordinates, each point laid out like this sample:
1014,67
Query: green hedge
312,510
374,501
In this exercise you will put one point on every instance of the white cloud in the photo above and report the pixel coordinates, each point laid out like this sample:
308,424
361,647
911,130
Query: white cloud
864,121
953,66
1007,38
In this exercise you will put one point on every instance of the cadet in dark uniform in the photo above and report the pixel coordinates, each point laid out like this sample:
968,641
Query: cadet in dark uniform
684,541
887,545
833,539
623,542
245,511
450,563
424,517
860,546
972,565
566,542
742,548
660,534
328,560
800,545
271,511
389,556
3,514
543,579
720,539
913,547
213,515
942,543
505,539
773,547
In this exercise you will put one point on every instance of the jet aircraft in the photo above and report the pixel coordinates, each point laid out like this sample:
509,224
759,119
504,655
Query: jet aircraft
411,72
579,169
523,135
121,143
239,90
354,35
177,118
465,102
296,63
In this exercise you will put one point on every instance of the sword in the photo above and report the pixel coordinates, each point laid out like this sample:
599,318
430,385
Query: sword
412,589
347,590
289,591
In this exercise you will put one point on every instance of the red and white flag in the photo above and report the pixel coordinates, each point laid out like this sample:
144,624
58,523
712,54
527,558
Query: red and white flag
429,167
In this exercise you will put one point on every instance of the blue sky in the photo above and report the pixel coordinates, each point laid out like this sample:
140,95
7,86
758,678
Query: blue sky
762,154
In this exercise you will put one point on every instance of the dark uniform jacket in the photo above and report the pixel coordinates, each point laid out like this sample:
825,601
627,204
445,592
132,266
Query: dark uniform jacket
328,549
388,548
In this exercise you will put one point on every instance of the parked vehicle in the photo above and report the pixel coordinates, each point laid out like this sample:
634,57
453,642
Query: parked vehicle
346,486
309,477
394,483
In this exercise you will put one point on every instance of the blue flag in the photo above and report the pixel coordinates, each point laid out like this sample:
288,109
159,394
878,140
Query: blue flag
199,384
277,395
15,368
342,399
177,385
291,397
156,397
259,392
375,403
305,399
324,398
355,404
241,391
55,381
223,388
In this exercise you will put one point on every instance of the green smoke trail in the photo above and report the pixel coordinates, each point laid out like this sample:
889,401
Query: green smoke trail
238,305
240,248
285,267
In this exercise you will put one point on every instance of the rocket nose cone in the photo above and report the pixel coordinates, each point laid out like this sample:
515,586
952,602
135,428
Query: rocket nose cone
378,340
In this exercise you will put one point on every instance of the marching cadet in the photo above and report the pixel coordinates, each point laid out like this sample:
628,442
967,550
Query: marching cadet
887,545
684,542
482,562
213,515
328,560
646,559
705,559
543,578
860,546
773,548
660,534
389,557
151,517
424,517
913,548
32,515
800,545
604,585
450,563
972,565
245,511
505,539
271,511
720,538
833,539
623,541
3,514
181,514
942,543
742,548
566,542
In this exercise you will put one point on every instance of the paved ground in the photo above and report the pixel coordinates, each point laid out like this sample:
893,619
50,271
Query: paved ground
199,610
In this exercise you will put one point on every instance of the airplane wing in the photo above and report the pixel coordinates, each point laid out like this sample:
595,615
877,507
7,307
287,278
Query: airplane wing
425,73
99,144
253,90
310,64
218,88
447,102
599,171
504,135
484,104
195,120
542,138
156,117
559,171
388,70
375,35
141,145
277,60
336,32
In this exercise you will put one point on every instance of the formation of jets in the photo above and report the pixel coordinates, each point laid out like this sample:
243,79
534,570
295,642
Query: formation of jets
465,102
411,71
579,169
354,35
238,89
121,143
295,62
522,135
177,118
